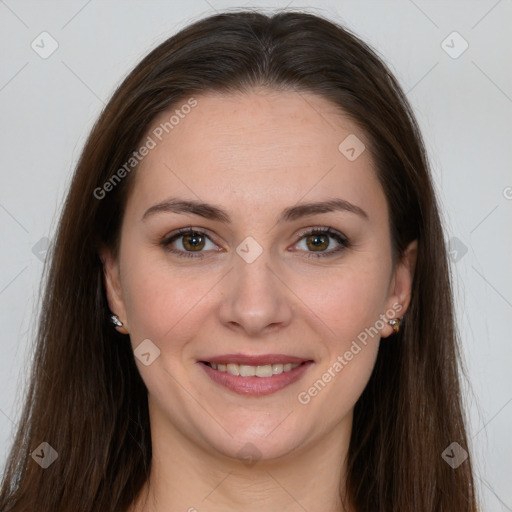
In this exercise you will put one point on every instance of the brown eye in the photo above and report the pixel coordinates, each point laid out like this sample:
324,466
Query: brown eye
316,241
193,241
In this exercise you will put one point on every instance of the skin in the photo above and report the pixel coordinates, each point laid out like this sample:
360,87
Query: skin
254,155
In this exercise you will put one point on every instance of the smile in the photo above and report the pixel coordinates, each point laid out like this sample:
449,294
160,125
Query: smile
255,375
244,370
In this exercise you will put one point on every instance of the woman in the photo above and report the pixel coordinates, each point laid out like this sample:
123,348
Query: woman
249,303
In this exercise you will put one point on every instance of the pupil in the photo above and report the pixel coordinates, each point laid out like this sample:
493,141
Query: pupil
318,240
193,240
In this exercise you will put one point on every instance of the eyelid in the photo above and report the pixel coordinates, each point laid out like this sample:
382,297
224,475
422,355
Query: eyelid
168,239
320,229
342,240
186,230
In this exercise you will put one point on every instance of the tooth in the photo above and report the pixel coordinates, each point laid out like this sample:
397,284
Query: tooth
247,371
244,370
277,369
264,371
234,369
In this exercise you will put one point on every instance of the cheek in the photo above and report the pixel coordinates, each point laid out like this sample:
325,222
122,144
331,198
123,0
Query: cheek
350,312
349,303
337,386
348,300
159,298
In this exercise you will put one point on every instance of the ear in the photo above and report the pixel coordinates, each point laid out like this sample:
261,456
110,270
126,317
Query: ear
113,289
400,288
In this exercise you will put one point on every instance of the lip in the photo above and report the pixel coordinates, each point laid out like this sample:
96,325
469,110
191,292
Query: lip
256,386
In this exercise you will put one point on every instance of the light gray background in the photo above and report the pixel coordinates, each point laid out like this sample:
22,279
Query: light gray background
464,106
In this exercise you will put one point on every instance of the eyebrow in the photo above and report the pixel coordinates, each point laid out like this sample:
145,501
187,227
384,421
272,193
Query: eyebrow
212,212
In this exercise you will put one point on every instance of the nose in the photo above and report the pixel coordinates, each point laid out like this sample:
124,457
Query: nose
256,299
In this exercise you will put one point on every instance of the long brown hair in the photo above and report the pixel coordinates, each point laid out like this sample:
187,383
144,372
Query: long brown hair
86,397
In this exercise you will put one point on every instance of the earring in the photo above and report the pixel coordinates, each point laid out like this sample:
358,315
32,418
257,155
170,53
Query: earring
115,320
395,322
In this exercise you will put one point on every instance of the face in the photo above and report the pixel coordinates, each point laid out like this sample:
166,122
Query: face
294,299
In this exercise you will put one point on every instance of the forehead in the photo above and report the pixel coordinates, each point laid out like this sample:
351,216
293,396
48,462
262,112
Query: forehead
257,149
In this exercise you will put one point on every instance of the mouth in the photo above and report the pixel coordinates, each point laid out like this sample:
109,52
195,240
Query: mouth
255,375
245,370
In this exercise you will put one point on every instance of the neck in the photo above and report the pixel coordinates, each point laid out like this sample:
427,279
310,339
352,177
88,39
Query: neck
186,477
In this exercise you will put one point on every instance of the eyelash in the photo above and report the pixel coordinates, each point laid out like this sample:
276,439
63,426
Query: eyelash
341,239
